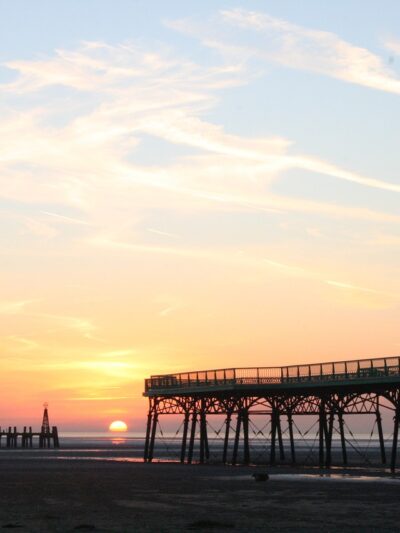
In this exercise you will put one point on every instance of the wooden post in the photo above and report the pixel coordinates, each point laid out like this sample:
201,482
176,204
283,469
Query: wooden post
30,437
56,442
226,439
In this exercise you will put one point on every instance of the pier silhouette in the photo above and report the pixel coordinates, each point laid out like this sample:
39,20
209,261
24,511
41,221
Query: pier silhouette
47,437
329,391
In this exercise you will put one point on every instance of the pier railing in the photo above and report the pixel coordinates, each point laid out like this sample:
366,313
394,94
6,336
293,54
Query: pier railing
360,369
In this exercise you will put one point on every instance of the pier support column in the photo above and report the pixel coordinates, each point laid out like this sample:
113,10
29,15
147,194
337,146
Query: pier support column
280,440
184,436
147,441
342,437
226,438
204,450
321,431
292,448
237,437
328,439
380,434
192,436
206,446
56,441
395,439
246,446
273,437
152,437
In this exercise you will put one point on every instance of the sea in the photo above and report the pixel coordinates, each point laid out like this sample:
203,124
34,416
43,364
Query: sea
361,450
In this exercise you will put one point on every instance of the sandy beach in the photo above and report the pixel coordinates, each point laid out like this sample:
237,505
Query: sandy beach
39,494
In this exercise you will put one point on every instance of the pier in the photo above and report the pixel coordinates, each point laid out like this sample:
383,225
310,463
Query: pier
12,438
331,392
45,438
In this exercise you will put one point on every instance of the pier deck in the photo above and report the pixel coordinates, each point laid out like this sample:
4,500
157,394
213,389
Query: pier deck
335,374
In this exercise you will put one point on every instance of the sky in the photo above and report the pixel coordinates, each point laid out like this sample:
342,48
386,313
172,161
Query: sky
188,185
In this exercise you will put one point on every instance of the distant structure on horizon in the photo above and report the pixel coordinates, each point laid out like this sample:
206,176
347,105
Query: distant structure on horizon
47,438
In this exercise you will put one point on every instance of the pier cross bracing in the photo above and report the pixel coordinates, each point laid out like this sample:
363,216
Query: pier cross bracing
329,391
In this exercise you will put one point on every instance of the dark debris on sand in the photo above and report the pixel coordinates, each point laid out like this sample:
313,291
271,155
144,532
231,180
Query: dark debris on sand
210,524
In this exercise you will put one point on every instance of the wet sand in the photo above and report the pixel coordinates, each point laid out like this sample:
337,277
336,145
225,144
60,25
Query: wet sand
39,494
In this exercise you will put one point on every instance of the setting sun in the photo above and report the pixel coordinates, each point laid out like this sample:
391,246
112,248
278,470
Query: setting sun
118,425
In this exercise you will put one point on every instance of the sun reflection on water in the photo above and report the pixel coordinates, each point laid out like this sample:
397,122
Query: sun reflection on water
117,441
